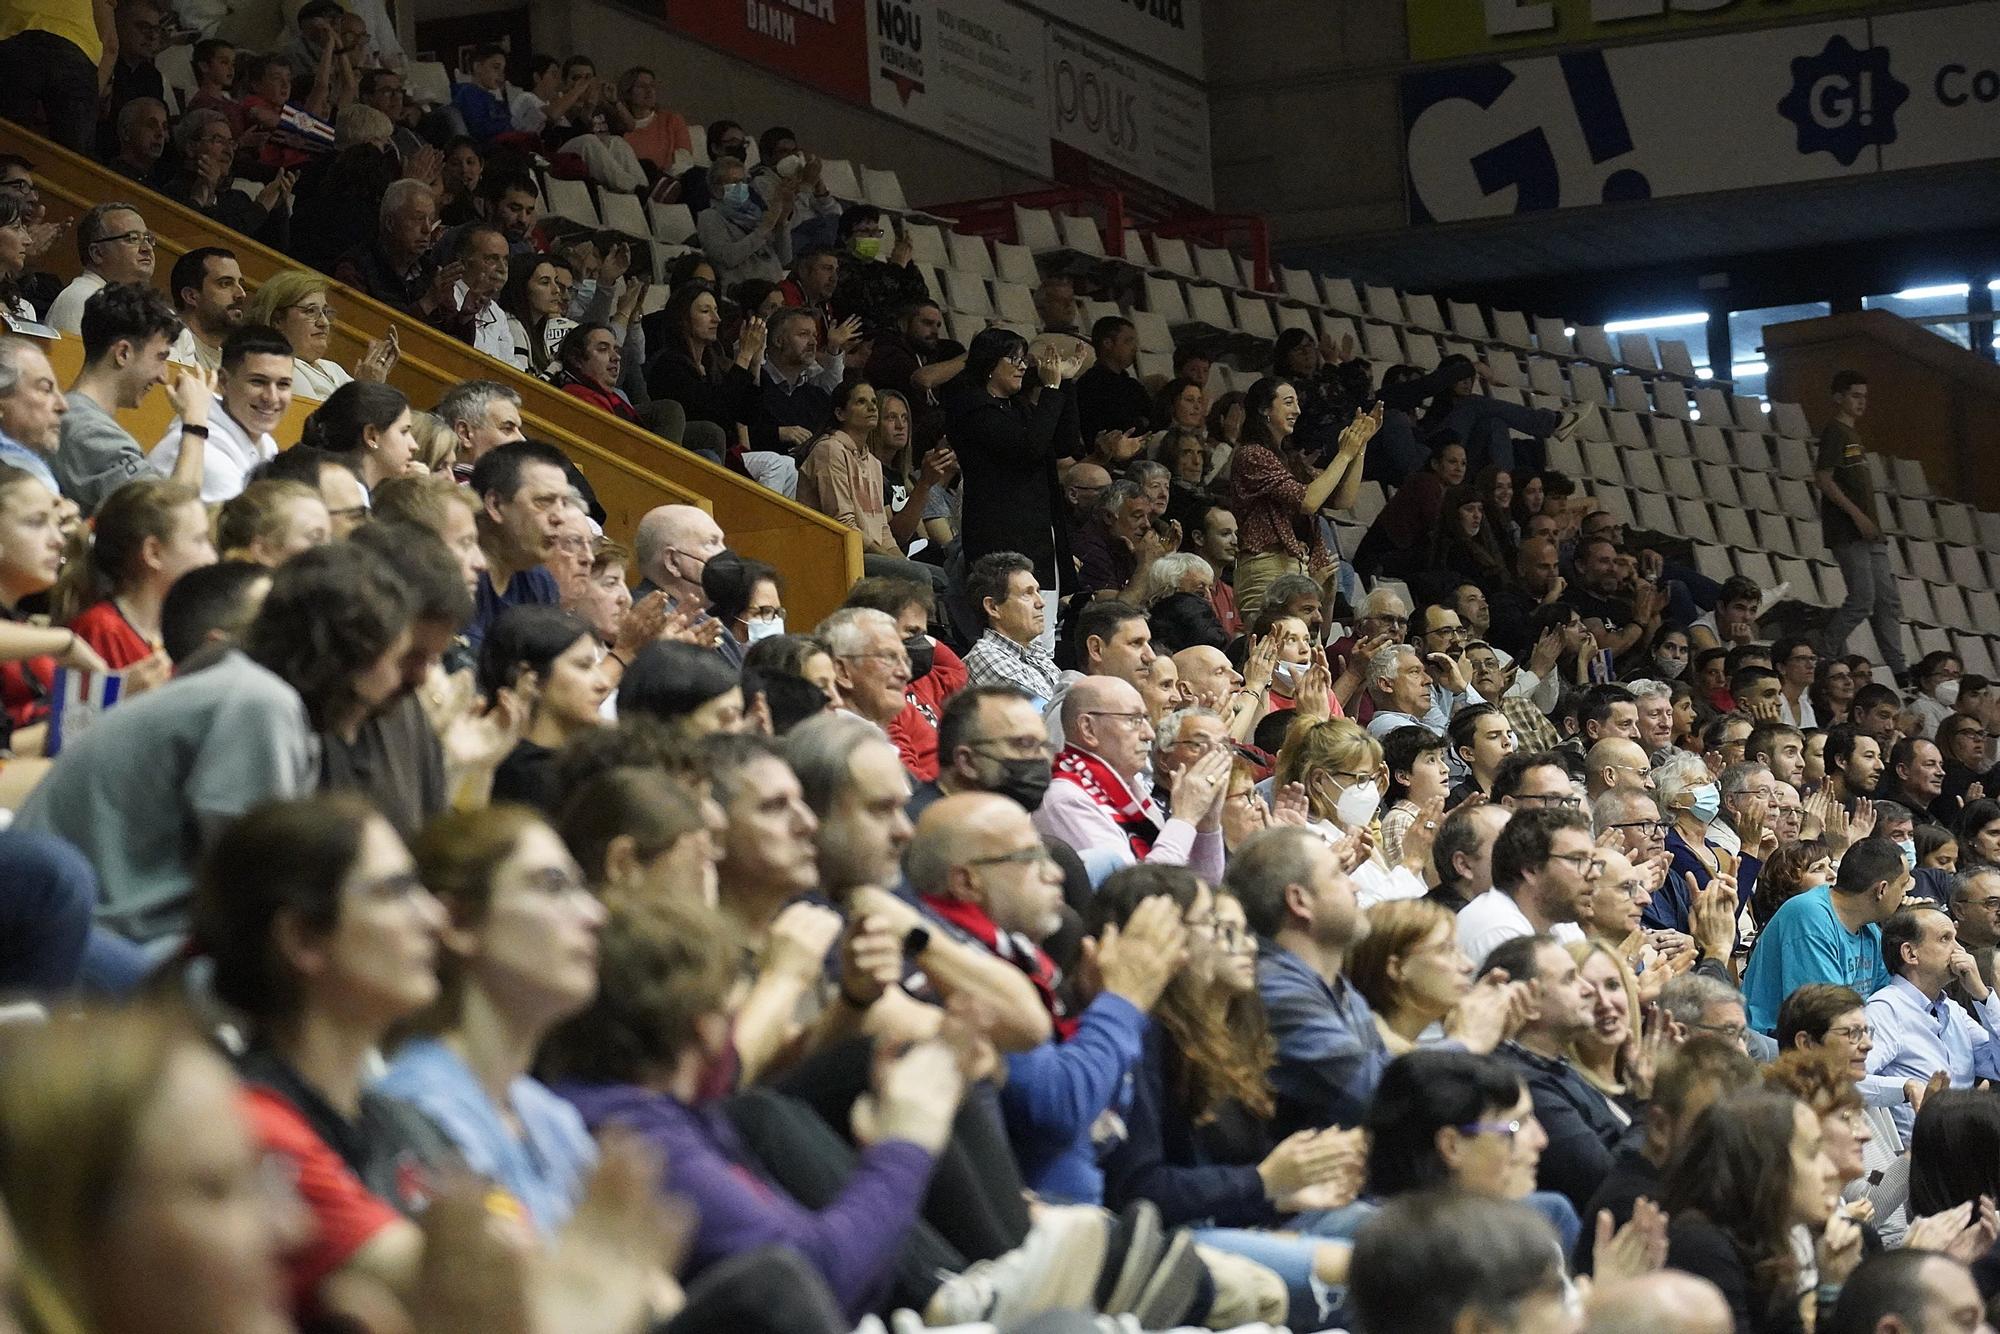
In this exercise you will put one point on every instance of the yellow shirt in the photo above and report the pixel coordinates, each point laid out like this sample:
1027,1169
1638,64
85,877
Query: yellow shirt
71,19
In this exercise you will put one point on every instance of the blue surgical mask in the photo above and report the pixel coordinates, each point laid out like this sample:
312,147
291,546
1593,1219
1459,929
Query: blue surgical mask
757,631
736,192
1707,802
1909,850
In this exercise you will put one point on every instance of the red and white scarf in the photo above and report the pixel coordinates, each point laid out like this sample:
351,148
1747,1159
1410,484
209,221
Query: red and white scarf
1016,949
1138,817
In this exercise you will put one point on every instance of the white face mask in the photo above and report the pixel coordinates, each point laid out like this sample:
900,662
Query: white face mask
754,631
1946,692
1357,805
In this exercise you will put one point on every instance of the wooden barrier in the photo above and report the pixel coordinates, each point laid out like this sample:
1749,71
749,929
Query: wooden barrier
631,470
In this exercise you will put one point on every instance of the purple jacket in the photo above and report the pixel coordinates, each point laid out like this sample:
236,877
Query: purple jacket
853,1242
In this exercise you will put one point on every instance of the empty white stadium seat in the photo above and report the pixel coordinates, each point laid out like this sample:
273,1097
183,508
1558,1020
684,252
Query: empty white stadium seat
1340,294
1675,359
1754,487
672,223
1656,514
881,187
967,293
1298,285
837,174
1206,305
1466,321
1551,338
1587,383
1955,522
624,213
1511,328
571,199
1545,376
1670,435
1165,299
1385,304
1423,311
1910,479
1749,412
1035,228
1295,317
1015,264
1733,526
970,255
1636,349
1643,470
1214,265
1253,316
1790,419
1015,302
1966,569
1593,342
1695,520
1629,392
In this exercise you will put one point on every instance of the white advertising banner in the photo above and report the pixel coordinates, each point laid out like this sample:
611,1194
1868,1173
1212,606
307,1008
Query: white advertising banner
1166,31
1778,106
969,70
1129,115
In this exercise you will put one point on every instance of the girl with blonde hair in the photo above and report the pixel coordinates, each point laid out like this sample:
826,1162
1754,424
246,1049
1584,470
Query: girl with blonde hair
1616,1054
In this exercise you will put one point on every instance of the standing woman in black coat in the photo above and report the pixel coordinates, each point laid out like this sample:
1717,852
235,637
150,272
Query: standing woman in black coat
1006,438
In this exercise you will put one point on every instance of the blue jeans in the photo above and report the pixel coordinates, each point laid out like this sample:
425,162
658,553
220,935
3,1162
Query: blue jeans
47,895
1290,1254
1486,426
1872,596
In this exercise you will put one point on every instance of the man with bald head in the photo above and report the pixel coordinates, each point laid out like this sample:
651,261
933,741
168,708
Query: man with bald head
1082,485
672,546
1908,1292
1538,582
1217,686
1664,1302
1616,765
1098,804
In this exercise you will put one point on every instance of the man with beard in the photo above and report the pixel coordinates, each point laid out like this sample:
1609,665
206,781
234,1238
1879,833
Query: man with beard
209,296
1215,541
1853,763
914,361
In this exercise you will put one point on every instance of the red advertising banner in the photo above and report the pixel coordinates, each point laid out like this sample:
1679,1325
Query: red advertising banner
820,43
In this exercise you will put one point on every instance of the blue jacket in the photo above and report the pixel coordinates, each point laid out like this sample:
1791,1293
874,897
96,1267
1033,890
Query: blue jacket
1056,1093
1330,1054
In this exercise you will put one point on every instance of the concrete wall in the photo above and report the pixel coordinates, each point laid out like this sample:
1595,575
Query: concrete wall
1302,99
704,84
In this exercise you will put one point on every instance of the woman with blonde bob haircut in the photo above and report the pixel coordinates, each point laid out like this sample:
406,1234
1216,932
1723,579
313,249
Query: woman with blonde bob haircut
141,1202
1413,975
295,304
1340,767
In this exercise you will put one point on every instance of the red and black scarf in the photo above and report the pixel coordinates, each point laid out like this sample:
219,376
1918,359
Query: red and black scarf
1016,949
1136,816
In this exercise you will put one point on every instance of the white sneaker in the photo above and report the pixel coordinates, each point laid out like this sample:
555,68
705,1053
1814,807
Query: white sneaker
1055,1269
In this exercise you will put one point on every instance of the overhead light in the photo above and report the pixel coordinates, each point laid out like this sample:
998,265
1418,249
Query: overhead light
1694,414
1765,405
1569,331
1703,373
1932,293
1680,321
1743,368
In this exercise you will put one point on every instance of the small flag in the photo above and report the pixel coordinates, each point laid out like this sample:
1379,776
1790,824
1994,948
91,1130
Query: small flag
80,699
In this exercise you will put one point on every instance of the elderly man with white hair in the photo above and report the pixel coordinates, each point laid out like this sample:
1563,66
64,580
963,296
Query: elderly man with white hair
31,410
395,265
1383,611
1656,716
870,664
1409,691
1097,802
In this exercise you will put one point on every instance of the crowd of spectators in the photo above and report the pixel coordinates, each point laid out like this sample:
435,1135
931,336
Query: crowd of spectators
1140,899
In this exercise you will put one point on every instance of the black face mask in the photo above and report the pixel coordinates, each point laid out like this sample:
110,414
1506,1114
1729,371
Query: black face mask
1026,781
923,655
719,574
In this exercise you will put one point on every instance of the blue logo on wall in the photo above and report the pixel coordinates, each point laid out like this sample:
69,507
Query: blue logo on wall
1844,100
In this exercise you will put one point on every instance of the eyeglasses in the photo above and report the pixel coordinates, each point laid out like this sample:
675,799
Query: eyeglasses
1121,717
1853,1033
1732,1032
1631,889
1019,361
144,240
1024,857
885,655
1585,863
317,314
1505,1129
1567,801
556,881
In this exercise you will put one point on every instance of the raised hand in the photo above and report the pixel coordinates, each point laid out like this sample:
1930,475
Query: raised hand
1862,822
838,336
940,465
610,1268
1290,805
1485,1015
616,264
191,390
1421,834
800,940
1261,665
1633,1251
380,358
1198,789
426,165
871,959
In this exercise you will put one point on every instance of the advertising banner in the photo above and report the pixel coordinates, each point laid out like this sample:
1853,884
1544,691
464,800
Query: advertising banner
1129,115
1446,29
818,42
969,70
1167,32
1777,106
